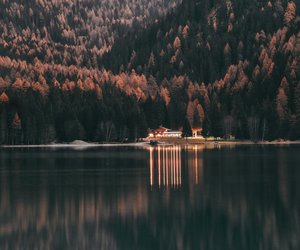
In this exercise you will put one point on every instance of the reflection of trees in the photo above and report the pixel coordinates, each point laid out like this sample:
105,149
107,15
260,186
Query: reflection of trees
243,189
67,218
228,199
44,207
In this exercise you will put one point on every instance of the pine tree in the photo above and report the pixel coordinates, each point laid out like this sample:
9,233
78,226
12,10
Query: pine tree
282,110
297,104
290,13
186,130
227,56
177,43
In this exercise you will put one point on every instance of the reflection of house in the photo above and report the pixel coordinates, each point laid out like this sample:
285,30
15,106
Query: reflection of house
164,132
165,166
168,166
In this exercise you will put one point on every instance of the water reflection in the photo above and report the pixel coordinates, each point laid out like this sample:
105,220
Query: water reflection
166,165
156,198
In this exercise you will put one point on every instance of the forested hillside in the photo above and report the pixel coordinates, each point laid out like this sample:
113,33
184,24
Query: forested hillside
230,67
72,31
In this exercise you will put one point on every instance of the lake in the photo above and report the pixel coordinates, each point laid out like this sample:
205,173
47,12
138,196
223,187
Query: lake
195,197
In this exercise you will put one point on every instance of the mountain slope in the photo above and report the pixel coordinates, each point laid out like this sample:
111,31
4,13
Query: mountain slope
231,68
204,29
245,53
71,32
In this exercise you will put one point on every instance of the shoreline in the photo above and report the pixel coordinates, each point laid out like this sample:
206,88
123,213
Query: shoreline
200,141
77,146
161,142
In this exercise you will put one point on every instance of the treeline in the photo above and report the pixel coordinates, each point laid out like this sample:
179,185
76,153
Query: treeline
43,103
231,68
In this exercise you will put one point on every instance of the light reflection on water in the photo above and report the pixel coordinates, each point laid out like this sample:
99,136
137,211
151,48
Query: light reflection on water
154,198
166,165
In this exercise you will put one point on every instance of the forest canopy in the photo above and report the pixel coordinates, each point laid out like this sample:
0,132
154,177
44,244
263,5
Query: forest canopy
109,70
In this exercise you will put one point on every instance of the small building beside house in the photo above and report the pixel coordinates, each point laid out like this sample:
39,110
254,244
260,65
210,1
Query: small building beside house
197,132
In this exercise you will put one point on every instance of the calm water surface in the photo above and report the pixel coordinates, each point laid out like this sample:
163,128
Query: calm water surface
244,197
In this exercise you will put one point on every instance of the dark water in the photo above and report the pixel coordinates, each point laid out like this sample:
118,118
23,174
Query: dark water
246,197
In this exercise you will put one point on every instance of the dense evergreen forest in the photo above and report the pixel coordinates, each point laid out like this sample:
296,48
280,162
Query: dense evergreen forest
104,74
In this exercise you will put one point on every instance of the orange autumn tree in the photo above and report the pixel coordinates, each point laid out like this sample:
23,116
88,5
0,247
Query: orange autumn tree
16,124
